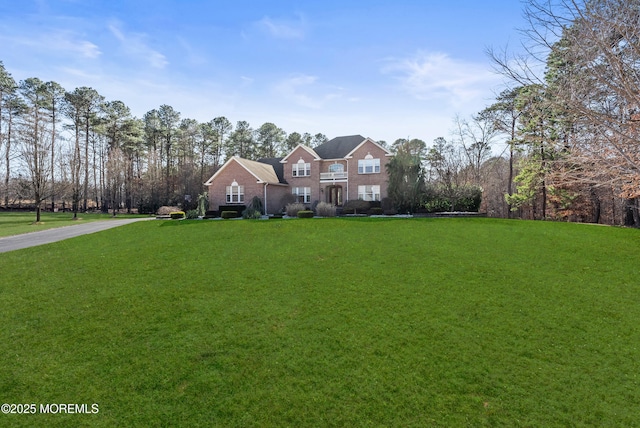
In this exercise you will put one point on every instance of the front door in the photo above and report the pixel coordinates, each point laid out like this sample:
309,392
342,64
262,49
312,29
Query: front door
334,195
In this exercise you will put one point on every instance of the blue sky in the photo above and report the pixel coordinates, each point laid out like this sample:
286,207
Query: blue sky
383,69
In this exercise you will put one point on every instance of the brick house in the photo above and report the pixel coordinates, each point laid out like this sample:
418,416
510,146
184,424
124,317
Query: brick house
342,169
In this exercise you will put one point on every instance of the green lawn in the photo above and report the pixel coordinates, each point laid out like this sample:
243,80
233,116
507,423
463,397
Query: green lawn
17,222
327,322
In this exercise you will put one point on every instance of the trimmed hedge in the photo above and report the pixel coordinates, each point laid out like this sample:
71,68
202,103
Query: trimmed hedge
237,208
356,206
457,198
176,215
229,214
305,214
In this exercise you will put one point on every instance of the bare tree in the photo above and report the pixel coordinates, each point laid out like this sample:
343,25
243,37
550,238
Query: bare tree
168,121
475,137
585,54
54,102
35,146
505,115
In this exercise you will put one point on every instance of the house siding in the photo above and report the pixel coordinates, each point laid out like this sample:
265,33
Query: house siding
380,179
275,193
234,171
312,181
336,190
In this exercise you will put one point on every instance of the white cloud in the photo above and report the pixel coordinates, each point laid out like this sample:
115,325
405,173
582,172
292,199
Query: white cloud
192,55
246,81
59,41
135,46
305,91
428,76
283,29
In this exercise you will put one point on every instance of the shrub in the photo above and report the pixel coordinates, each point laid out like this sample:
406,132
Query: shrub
167,210
375,211
325,209
251,213
387,206
356,206
292,209
175,215
237,208
437,204
305,214
287,199
255,205
455,198
191,214
229,214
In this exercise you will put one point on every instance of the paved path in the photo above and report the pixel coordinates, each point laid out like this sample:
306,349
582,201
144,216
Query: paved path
32,239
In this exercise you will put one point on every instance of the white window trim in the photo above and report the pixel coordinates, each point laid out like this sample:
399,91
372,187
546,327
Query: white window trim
235,191
301,169
336,167
304,192
369,192
373,164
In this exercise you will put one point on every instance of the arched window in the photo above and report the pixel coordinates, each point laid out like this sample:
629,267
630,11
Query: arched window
301,169
235,193
368,165
336,167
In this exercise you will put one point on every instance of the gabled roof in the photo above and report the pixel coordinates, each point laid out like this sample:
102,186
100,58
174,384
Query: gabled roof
307,148
263,172
339,147
350,154
277,165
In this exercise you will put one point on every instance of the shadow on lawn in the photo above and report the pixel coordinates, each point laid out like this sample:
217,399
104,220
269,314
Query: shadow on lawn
175,223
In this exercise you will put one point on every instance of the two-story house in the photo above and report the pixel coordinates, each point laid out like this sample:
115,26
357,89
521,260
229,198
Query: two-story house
342,169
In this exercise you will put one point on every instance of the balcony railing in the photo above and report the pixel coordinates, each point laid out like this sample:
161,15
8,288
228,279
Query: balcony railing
333,176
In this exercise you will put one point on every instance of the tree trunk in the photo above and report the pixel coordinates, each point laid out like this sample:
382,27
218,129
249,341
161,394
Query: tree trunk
596,205
7,160
86,165
53,165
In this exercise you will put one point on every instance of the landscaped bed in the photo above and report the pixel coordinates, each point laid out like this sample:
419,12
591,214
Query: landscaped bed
331,322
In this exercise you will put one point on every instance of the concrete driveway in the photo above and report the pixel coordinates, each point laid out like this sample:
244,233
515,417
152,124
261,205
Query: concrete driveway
33,239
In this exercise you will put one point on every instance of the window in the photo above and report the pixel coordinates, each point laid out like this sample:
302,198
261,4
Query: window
235,193
301,169
336,167
368,165
369,193
303,194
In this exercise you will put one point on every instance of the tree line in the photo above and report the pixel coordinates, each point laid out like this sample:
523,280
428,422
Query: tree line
75,150
570,120
573,112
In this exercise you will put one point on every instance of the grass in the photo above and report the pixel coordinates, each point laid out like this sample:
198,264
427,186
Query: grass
328,322
19,222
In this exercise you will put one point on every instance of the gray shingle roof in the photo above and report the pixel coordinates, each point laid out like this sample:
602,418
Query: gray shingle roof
277,167
338,147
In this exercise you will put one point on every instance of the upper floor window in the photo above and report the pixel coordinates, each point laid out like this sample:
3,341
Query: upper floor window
235,193
301,169
368,165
